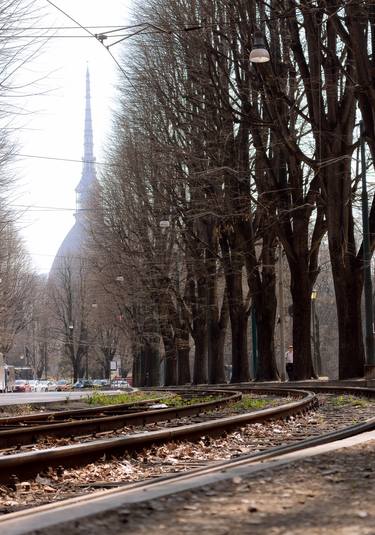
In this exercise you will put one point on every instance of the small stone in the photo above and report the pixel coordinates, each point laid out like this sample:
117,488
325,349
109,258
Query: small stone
252,509
362,514
237,480
329,472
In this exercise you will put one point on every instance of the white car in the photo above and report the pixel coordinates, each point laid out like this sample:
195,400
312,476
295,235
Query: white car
51,386
34,383
43,386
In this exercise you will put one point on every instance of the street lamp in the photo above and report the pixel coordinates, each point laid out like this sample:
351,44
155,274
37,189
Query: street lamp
313,299
259,52
370,353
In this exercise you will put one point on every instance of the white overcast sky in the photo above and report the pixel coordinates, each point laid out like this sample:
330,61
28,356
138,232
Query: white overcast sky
53,126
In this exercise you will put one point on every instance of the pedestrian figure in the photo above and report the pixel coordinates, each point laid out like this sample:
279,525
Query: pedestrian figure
289,363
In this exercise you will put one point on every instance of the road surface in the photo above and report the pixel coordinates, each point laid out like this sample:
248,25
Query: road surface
18,398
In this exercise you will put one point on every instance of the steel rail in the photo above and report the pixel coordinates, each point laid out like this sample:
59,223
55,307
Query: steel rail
29,464
92,426
329,389
83,508
72,413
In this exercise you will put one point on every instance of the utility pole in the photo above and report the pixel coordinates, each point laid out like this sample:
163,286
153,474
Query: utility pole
254,336
370,356
281,314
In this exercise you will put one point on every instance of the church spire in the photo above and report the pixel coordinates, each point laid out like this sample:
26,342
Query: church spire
88,176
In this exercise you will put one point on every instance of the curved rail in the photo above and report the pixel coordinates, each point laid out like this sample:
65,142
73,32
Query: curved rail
52,416
30,463
92,426
328,389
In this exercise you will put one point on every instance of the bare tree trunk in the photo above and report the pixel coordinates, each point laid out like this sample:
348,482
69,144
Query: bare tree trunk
200,375
265,309
170,354
301,294
348,290
183,354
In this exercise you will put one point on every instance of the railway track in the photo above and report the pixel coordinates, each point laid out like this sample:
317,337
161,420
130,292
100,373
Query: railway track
30,463
97,421
181,481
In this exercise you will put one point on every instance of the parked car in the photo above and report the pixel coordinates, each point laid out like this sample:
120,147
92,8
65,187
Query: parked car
21,386
83,383
34,384
43,386
62,385
122,384
51,386
101,383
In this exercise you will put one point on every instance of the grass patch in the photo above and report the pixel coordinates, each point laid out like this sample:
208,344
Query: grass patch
248,403
171,400
175,400
343,399
99,398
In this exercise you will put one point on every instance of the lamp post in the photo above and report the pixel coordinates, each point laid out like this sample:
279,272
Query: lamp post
258,54
254,338
281,314
370,356
315,360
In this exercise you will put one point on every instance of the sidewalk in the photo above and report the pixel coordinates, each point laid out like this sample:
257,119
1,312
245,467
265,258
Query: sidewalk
332,493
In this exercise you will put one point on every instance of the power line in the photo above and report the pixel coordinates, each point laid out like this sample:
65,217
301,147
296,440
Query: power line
96,36
71,160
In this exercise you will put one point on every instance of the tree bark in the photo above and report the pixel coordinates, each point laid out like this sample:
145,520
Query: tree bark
183,354
300,288
170,378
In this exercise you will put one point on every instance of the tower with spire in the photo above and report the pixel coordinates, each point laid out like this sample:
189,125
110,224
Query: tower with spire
74,240
88,177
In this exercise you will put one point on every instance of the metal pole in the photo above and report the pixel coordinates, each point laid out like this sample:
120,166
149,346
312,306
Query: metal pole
370,356
281,314
254,339
313,336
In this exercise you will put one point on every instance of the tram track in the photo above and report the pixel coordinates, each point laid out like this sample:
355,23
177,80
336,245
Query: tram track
182,481
28,464
98,424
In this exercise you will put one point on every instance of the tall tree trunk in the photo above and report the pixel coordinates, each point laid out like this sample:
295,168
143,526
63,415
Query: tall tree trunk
346,267
198,298
170,378
240,359
137,363
300,288
233,263
200,375
216,372
265,309
152,363
183,354
348,290
262,285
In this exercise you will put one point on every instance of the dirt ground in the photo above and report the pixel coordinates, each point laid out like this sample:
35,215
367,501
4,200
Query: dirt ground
332,493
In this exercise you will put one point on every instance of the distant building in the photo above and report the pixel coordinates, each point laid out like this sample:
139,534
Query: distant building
73,243
71,294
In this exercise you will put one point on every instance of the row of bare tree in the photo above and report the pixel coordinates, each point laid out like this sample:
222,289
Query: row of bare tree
18,282
215,161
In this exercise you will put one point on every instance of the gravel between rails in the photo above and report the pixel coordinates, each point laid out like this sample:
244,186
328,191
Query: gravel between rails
333,413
